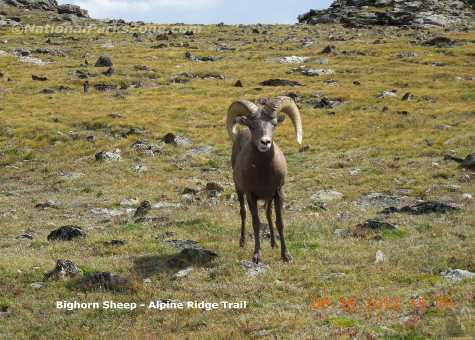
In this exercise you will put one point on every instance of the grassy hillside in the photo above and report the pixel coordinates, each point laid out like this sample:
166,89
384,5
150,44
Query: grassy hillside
366,145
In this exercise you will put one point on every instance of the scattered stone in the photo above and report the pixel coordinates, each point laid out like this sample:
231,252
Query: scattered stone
50,51
280,82
47,91
102,87
238,84
109,72
213,186
116,243
66,233
129,202
327,50
293,60
252,269
380,201
467,197
143,209
166,205
325,196
184,244
380,257
171,138
342,233
408,97
73,9
143,147
64,269
467,162
27,235
440,42
48,204
104,61
317,72
376,225
183,273
325,103
140,168
407,54
423,208
109,156
192,57
37,285
39,78
107,212
33,60
385,94
201,150
457,275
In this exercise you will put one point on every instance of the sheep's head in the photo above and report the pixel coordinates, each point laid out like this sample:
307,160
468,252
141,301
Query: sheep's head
262,121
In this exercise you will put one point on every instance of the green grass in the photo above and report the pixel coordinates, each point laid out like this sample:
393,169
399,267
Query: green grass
396,154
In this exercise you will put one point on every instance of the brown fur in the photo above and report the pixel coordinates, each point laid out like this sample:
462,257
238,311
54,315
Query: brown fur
259,176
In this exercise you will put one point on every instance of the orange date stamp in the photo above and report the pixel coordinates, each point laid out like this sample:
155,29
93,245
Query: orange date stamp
388,303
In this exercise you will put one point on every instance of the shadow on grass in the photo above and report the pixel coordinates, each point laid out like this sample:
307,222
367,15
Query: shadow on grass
147,266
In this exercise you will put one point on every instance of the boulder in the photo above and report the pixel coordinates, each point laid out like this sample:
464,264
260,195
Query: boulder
361,13
73,9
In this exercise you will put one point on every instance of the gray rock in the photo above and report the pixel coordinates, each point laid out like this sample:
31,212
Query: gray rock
37,285
293,60
183,273
363,13
280,82
201,150
457,275
104,61
317,72
325,196
64,269
183,244
66,233
109,156
252,269
73,9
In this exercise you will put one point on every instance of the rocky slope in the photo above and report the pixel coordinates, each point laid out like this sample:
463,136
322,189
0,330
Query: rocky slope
442,13
47,5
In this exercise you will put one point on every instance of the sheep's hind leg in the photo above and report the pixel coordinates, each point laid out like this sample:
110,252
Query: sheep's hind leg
279,203
242,241
256,224
270,223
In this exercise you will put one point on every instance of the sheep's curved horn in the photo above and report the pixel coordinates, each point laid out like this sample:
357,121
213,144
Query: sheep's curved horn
288,106
239,108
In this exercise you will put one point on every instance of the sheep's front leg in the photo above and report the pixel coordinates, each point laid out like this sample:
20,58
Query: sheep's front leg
279,204
270,223
256,225
242,241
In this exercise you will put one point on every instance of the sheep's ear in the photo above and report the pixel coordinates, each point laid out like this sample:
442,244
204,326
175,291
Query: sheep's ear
242,120
280,119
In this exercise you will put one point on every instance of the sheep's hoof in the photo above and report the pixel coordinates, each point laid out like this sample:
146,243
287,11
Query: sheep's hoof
256,258
287,258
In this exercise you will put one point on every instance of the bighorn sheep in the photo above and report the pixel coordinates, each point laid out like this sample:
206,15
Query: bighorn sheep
259,166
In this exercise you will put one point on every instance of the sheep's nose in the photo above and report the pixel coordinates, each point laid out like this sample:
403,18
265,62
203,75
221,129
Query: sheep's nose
266,141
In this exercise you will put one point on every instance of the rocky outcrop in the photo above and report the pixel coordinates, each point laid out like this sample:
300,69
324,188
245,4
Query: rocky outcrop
360,13
47,5
73,9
